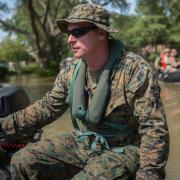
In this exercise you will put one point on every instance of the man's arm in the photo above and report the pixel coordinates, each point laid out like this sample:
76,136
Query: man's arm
144,93
42,112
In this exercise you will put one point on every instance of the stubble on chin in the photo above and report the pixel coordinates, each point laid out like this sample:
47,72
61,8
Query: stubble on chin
78,56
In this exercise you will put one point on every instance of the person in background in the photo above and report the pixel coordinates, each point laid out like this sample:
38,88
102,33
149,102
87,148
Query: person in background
165,60
168,61
120,127
175,63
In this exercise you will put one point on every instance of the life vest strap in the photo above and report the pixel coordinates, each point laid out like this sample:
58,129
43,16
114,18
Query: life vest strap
99,142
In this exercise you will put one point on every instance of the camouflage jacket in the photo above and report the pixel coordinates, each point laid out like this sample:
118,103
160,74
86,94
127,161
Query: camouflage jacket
134,99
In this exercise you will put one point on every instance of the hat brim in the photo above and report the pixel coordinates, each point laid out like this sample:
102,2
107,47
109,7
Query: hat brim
63,25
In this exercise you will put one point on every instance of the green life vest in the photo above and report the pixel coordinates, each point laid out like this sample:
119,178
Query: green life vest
94,114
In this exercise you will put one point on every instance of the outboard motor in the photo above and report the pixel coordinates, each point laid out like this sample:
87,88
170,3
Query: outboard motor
12,99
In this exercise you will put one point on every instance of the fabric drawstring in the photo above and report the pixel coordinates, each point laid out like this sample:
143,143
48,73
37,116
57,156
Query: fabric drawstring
97,140
98,144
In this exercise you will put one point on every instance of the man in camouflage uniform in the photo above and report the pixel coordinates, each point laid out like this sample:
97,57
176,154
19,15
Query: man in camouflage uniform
128,139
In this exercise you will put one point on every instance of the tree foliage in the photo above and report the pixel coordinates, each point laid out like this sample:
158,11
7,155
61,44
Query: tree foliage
13,50
155,22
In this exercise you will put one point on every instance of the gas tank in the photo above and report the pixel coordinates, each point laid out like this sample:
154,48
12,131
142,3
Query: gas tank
12,99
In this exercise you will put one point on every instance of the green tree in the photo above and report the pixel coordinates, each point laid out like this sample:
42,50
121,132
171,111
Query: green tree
174,19
159,21
147,26
13,50
152,7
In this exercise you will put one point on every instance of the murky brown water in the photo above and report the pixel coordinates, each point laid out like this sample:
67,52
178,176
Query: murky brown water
37,87
171,100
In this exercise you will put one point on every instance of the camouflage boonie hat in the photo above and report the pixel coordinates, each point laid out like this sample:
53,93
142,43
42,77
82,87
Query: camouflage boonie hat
92,13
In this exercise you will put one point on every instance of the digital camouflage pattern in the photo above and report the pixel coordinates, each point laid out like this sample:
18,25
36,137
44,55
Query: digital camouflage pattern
92,13
61,157
134,99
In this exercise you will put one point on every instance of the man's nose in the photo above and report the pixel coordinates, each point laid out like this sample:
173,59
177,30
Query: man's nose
71,39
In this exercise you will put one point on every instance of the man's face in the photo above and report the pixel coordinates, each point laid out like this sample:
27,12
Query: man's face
83,38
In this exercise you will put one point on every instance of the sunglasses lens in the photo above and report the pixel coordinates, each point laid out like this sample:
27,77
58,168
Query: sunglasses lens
77,33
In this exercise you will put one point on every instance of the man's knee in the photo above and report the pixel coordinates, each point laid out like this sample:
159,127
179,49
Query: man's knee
112,165
23,157
18,157
21,164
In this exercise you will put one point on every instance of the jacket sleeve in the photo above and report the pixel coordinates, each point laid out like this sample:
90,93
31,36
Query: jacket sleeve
144,96
42,112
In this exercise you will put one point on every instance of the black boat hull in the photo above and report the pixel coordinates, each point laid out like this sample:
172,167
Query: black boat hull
168,77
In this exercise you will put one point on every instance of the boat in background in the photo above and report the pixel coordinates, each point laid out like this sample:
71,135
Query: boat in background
168,76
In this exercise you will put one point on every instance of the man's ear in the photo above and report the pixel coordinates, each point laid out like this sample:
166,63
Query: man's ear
102,34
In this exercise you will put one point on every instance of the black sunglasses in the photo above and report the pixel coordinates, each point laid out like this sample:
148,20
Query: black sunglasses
79,32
